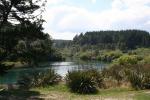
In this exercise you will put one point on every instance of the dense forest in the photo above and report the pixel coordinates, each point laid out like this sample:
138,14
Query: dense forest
125,39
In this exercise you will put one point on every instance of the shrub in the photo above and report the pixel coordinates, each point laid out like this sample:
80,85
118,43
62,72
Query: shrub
84,82
85,56
146,60
38,78
139,76
127,60
115,72
109,56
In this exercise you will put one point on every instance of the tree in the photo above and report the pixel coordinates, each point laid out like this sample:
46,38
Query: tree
20,11
20,20
125,39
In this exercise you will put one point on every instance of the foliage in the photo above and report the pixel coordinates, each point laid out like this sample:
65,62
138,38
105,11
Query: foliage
62,43
36,51
142,51
146,60
84,82
85,56
127,60
139,76
127,39
20,11
109,56
130,68
23,38
115,72
39,78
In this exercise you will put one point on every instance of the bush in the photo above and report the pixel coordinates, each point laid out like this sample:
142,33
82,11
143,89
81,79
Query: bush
127,60
39,78
139,76
146,60
109,56
84,82
85,56
117,72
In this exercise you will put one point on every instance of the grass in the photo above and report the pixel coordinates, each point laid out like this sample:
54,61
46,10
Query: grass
142,95
61,92
47,89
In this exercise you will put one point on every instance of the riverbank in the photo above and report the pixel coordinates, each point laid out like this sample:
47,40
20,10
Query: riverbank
61,92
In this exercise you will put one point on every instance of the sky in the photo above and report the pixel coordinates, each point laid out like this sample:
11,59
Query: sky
66,18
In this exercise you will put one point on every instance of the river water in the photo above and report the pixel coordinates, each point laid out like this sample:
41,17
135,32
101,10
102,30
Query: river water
61,68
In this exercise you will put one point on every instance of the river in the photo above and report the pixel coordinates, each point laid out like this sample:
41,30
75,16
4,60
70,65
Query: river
61,68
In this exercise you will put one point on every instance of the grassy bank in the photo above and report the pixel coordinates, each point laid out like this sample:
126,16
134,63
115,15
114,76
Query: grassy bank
61,92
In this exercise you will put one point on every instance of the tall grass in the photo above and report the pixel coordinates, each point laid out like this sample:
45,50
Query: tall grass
39,78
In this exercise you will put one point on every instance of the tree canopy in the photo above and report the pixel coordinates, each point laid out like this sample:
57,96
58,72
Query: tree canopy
20,11
21,32
125,39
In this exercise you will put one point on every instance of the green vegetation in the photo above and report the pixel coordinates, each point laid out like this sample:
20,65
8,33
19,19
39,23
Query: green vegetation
139,76
23,40
127,60
39,78
128,39
109,56
84,82
142,96
62,92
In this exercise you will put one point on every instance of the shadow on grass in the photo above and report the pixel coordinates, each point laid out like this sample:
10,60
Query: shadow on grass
19,95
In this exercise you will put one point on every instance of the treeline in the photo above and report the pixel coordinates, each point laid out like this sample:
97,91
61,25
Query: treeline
62,43
125,39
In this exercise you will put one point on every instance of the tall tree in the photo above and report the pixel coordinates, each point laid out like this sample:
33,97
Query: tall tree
20,11
20,19
125,39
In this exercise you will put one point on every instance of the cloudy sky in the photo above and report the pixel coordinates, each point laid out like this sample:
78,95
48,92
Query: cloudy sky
66,18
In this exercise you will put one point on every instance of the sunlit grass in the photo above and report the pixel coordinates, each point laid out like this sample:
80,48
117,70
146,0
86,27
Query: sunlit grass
115,93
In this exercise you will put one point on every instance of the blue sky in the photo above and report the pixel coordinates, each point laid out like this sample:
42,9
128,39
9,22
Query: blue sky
66,18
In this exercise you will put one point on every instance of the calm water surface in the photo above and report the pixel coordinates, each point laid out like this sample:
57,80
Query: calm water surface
60,67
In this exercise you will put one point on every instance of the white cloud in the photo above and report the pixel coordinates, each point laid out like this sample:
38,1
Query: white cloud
65,20
117,4
50,2
93,1
63,35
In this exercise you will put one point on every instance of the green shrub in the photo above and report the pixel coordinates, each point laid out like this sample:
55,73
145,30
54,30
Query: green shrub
146,60
85,56
115,72
139,76
39,78
84,82
127,60
135,80
109,56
